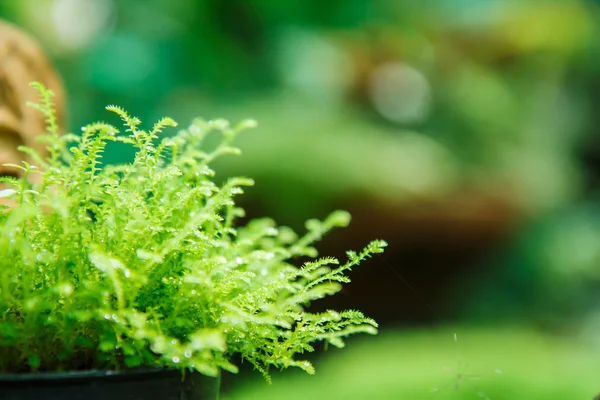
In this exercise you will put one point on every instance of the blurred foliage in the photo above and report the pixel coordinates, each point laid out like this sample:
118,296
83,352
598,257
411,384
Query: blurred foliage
499,363
550,274
491,83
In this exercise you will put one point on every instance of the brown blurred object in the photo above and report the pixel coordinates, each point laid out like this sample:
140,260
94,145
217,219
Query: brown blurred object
435,246
23,61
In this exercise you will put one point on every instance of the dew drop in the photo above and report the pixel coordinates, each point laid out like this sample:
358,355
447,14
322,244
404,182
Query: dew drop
220,260
187,354
176,359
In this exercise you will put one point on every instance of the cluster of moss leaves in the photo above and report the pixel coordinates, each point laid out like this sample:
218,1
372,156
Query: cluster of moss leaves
142,264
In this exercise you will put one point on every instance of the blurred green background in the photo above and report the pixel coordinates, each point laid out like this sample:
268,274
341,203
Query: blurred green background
463,132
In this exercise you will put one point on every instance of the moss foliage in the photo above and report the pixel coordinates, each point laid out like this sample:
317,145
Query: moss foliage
143,264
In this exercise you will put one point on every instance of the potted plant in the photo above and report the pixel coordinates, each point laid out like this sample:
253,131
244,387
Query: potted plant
134,281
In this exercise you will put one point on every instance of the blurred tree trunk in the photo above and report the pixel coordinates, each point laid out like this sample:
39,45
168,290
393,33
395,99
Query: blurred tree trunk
23,61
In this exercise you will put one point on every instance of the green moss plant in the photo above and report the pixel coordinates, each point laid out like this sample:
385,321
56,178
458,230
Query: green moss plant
145,265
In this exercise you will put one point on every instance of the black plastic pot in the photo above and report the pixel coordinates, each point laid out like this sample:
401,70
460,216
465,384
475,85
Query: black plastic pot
136,384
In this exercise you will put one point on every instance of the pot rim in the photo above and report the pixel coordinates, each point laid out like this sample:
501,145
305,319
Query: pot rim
86,374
